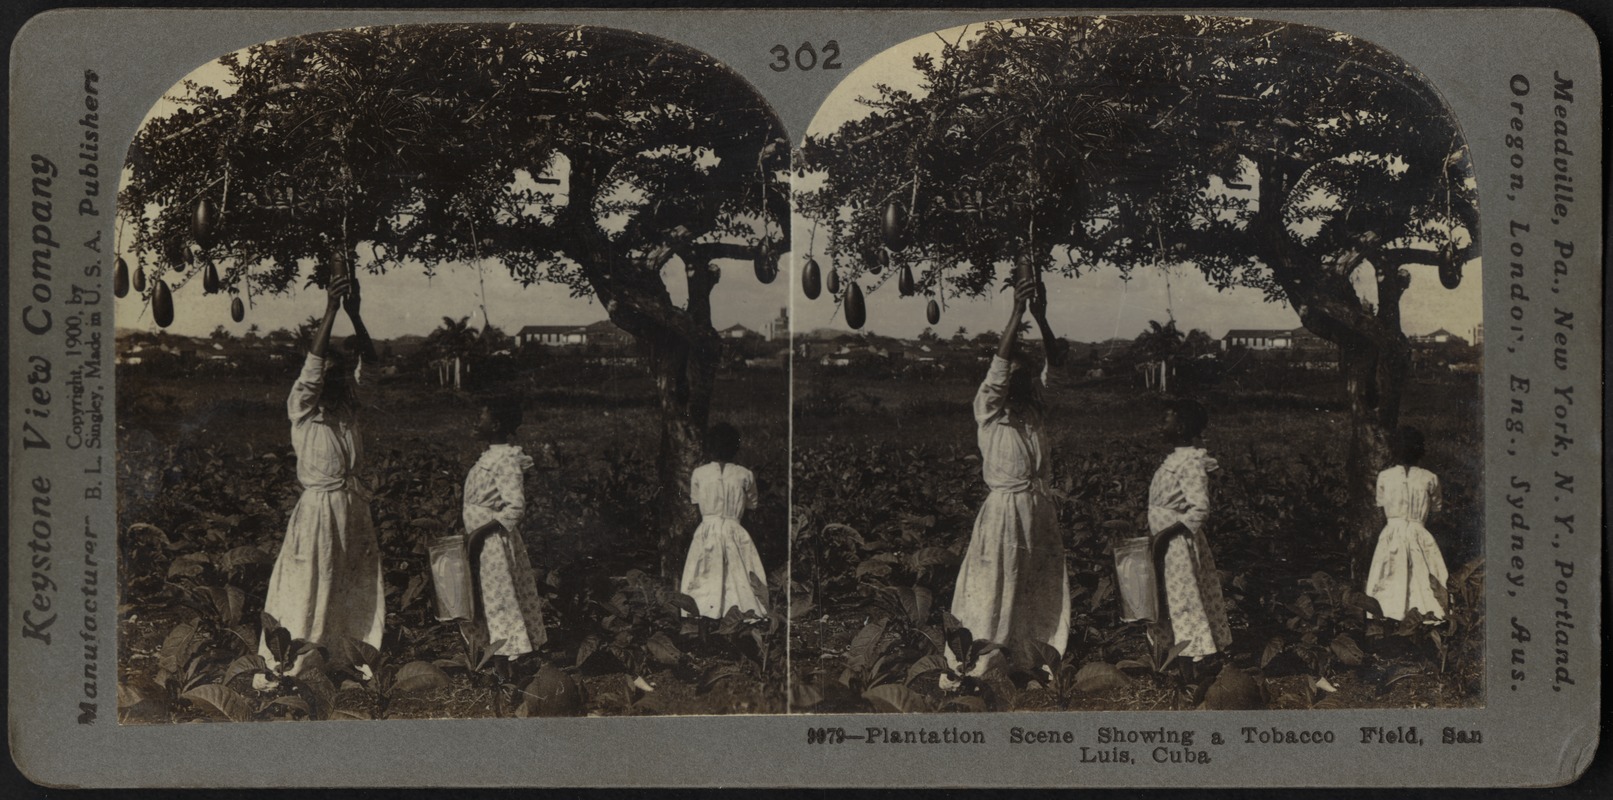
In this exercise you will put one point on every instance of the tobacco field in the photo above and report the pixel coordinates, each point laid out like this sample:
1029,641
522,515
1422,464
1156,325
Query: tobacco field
887,486
207,478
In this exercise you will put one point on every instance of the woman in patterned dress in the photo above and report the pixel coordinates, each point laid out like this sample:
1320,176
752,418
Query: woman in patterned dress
722,570
1407,564
494,503
1180,493
1012,583
326,582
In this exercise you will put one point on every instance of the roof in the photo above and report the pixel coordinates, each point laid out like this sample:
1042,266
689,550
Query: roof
1242,333
531,329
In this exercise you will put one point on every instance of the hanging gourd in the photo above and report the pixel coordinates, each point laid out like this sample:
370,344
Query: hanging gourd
140,279
1450,274
894,227
856,312
162,304
204,222
120,278
210,282
904,281
833,282
933,312
811,280
237,309
766,269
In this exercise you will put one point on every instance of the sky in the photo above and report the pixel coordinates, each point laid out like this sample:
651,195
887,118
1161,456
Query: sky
1098,305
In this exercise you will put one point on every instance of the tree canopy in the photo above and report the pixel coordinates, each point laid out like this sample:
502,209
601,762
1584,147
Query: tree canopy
584,156
1264,154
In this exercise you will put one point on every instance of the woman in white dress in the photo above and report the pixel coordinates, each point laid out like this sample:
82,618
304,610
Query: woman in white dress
326,582
722,570
494,505
1011,583
1180,493
1407,564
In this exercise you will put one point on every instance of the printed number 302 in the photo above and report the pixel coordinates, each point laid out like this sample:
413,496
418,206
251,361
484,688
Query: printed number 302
806,57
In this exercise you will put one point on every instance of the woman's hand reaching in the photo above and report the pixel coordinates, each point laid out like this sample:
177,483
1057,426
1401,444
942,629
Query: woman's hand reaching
352,299
338,293
1028,294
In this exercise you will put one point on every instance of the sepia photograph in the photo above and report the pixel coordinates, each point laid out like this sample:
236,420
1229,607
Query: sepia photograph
1137,367
451,377
561,391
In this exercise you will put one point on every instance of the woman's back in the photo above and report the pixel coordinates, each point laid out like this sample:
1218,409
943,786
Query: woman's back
1408,493
723,490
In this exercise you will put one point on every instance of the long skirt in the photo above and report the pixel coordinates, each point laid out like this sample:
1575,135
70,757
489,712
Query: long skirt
723,571
326,582
1198,613
509,589
1012,584
1406,566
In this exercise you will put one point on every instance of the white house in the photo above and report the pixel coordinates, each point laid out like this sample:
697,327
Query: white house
1256,339
552,335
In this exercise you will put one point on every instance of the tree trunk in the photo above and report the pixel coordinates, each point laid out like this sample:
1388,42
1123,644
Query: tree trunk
1374,355
684,377
1374,376
680,345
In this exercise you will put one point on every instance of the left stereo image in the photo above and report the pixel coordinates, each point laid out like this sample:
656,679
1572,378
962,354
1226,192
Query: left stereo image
452,382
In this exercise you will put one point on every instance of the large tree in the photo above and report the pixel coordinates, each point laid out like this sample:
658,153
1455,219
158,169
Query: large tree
585,156
1263,154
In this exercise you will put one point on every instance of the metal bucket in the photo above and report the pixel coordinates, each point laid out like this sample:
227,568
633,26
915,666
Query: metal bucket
450,574
1134,574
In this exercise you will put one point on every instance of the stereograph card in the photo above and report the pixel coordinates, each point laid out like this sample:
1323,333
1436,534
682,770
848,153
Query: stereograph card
805,398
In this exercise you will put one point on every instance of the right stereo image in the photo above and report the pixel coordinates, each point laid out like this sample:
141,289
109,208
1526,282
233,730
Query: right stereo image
1136,366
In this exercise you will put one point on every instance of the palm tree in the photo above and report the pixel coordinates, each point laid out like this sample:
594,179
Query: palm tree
1159,341
455,339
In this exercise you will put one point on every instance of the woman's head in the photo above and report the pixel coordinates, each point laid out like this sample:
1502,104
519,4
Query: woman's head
722,442
1021,394
337,392
498,418
1185,421
1407,446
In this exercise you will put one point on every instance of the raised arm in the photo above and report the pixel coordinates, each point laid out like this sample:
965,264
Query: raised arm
365,343
339,289
1052,348
993,392
305,392
1005,347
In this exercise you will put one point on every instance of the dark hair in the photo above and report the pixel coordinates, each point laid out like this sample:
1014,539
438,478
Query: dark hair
337,388
1407,446
1191,419
1022,374
722,442
506,411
